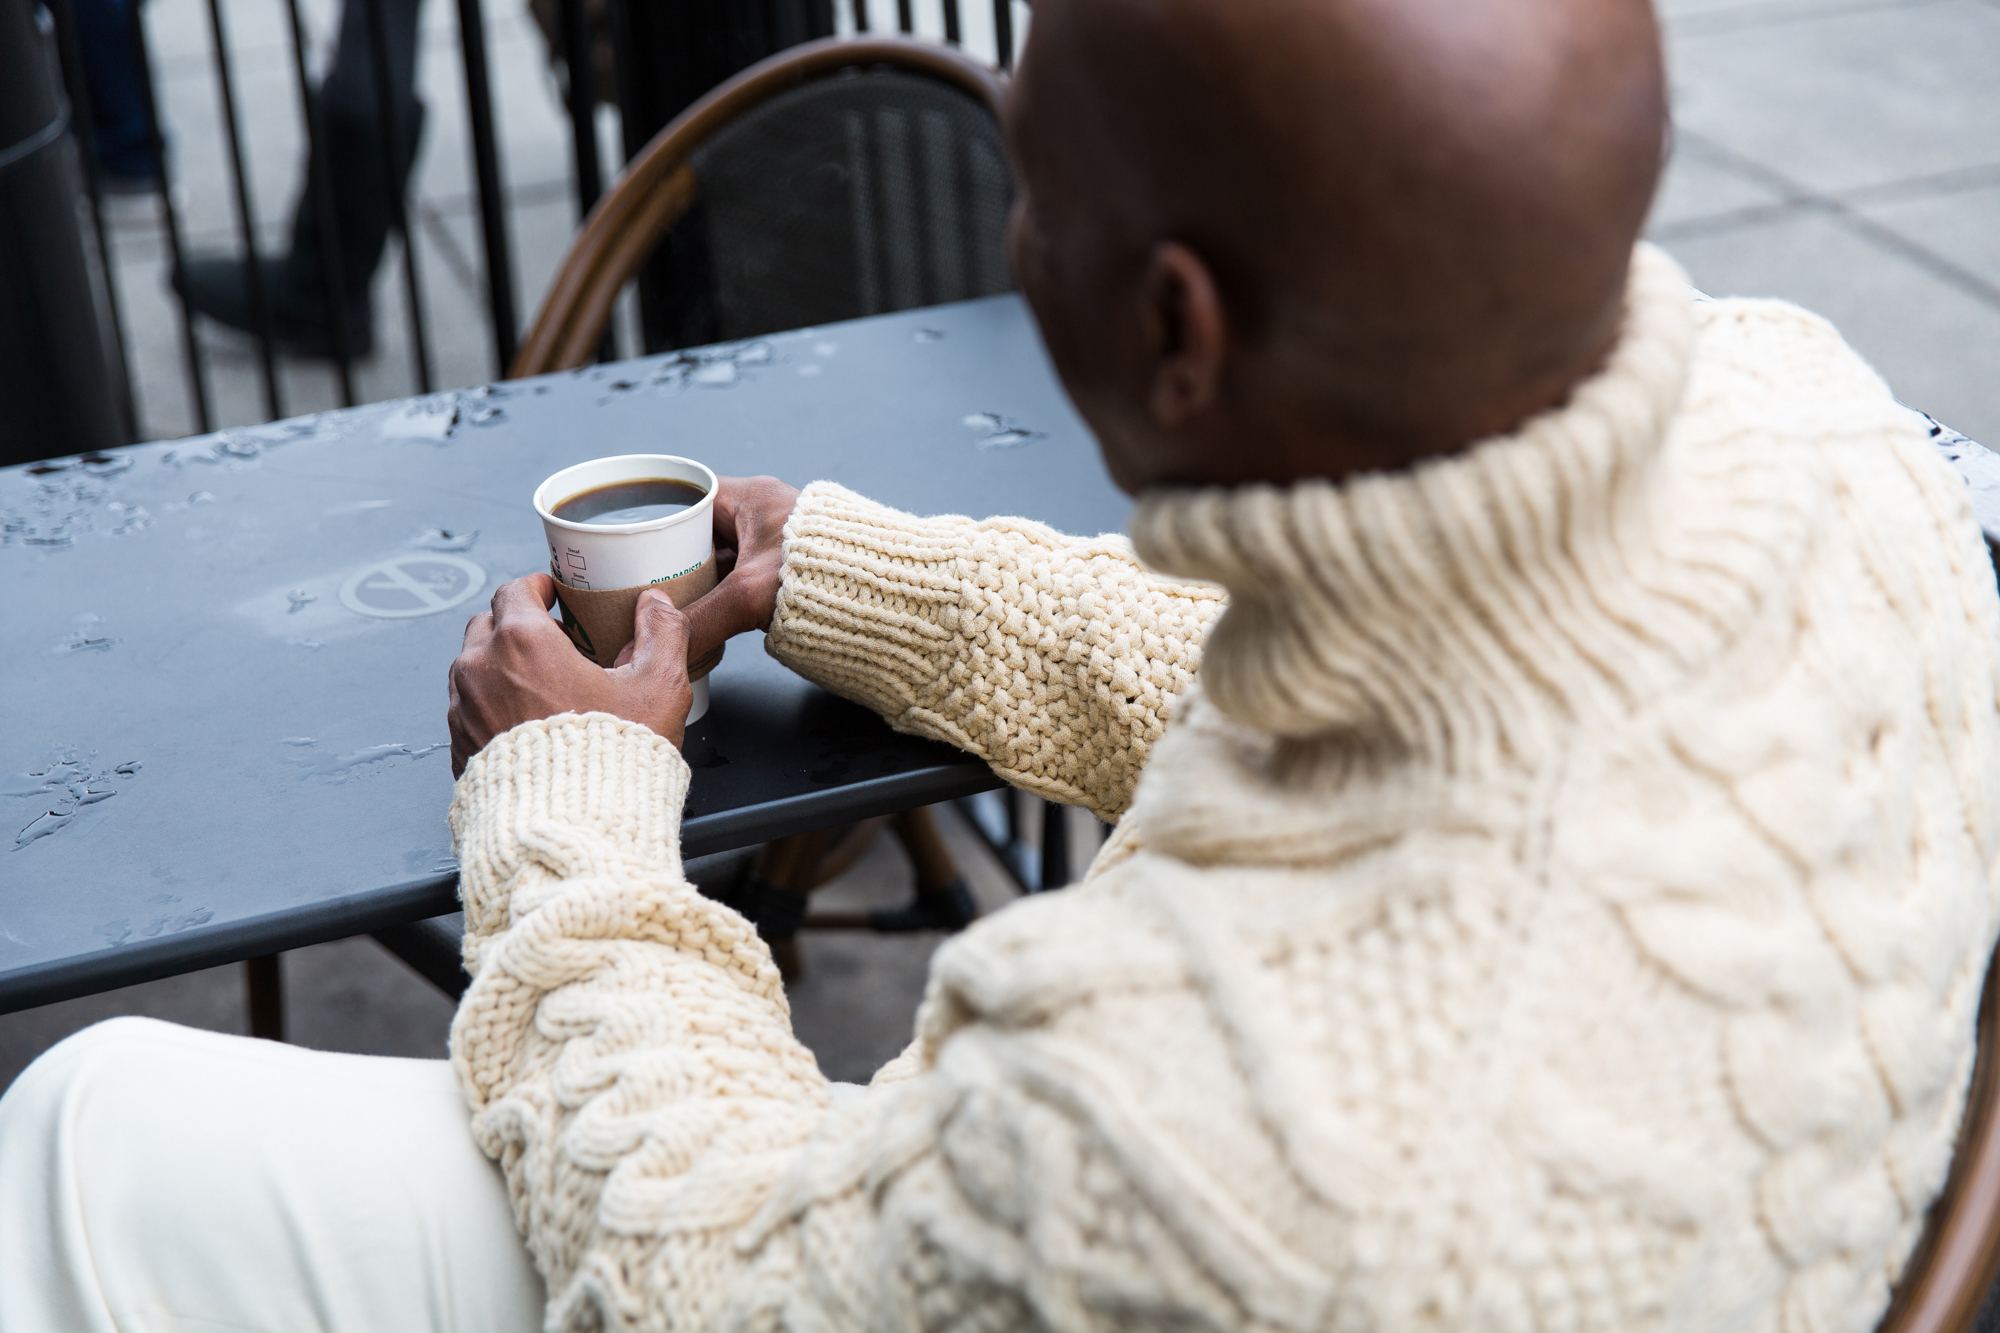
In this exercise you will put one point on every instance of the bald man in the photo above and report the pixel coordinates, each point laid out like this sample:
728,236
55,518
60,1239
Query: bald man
1549,718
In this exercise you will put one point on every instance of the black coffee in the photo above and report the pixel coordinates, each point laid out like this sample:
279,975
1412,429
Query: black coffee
629,502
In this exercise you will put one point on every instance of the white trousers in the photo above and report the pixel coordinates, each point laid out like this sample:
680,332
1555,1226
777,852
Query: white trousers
157,1179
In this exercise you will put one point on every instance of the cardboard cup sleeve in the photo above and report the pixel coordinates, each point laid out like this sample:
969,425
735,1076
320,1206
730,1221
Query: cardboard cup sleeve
599,621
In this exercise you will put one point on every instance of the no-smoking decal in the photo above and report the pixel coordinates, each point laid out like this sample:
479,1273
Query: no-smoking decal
412,585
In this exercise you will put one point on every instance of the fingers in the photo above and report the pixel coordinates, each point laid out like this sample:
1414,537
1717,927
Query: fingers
519,598
751,510
477,631
659,636
732,607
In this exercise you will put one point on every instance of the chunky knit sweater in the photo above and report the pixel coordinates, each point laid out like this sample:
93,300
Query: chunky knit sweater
1559,900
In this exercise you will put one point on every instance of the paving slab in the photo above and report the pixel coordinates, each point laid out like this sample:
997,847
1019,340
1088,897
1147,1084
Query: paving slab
1697,187
1933,342
1848,98
1962,227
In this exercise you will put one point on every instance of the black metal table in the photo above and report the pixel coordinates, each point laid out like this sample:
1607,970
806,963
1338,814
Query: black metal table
223,733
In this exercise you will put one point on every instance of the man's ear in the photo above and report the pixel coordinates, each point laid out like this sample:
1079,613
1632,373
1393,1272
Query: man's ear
1186,332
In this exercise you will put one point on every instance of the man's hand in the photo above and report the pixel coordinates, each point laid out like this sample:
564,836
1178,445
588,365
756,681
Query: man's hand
517,666
750,514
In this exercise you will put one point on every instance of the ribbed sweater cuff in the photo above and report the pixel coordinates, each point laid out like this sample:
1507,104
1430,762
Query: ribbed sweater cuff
869,596
576,794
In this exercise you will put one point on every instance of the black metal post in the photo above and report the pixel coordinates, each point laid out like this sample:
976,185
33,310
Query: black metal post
326,217
156,146
860,15
580,74
906,19
246,217
264,996
391,118
492,193
672,52
1055,845
580,63
951,33
1003,32
56,395
85,120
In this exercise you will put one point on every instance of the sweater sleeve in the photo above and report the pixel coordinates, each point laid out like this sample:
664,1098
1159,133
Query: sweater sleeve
671,1151
1055,659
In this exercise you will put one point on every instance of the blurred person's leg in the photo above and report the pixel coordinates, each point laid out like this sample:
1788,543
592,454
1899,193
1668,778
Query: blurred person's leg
117,97
364,194
159,1179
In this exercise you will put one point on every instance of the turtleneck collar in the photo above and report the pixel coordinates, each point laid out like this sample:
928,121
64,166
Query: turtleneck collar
1474,600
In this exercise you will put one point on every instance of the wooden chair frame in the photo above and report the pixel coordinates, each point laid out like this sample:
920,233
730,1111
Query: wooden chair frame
1958,1259
659,186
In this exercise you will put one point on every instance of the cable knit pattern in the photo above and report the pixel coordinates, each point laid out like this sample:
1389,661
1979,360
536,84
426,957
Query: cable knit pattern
1561,903
1055,659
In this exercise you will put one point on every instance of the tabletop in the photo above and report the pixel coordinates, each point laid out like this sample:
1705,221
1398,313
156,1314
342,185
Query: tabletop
223,728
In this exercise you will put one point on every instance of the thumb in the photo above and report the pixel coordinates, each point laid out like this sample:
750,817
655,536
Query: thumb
659,636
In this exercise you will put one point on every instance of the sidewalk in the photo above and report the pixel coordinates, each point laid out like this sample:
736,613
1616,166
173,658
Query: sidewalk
1846,156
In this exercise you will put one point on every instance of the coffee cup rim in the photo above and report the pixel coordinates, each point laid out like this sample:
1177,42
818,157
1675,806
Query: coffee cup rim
706,480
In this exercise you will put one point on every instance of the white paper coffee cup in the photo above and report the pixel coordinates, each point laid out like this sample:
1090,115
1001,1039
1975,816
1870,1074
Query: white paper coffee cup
628,555
601,558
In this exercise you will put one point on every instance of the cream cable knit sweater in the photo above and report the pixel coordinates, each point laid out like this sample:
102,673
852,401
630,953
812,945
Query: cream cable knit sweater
1561,904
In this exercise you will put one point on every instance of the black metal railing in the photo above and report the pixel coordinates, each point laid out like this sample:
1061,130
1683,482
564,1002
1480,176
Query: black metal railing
669,52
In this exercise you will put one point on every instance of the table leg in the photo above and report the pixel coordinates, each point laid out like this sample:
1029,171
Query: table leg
264,988
1055,846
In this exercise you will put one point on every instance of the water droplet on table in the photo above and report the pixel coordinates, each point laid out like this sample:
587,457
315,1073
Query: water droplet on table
63,787
444,539
342,767
997,431
300,599
81,641
425,420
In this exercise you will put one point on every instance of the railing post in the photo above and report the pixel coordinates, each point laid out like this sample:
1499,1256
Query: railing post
319,198
492,193
156,148
246,215
580,65
390,117
67,42
1003,33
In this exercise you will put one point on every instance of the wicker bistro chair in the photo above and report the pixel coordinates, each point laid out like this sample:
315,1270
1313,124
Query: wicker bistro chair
1947,1285
838,179
835,180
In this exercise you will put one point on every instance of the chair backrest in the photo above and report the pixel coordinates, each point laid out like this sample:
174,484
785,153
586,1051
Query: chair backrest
837,179
1958,1258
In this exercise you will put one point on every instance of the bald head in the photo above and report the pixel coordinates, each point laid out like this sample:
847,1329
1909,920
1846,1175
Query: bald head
1270,239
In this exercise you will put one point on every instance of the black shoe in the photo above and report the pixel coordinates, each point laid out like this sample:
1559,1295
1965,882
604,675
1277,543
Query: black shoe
364,207
948,908
219,286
